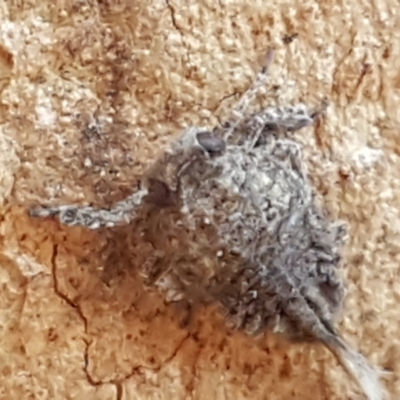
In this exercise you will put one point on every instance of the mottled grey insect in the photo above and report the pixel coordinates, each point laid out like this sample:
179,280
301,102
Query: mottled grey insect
245,187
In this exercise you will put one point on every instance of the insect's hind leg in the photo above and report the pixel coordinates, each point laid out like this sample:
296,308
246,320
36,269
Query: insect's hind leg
94,218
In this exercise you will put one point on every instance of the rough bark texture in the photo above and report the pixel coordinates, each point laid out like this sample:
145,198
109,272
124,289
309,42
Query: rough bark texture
90,94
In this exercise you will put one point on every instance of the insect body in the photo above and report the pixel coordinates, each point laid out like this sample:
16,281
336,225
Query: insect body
247,182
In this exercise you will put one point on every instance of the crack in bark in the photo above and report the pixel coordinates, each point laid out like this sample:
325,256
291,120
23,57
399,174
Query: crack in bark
77,308
174,353
176,26
118,383
195,368
341,61
173,18
59,293
220,101
223,98
190,385
228,96
366,70
172,11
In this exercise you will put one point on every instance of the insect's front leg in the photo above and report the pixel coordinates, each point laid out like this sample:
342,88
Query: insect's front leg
94,218
290,119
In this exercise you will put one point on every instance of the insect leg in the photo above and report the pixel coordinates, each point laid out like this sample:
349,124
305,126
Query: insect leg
94,218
